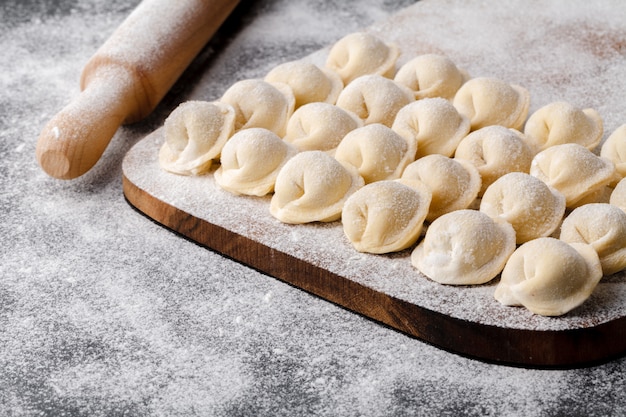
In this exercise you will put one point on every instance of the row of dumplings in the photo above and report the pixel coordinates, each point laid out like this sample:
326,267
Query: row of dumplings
424,151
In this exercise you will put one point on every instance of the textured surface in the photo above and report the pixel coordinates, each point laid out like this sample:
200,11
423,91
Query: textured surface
103,312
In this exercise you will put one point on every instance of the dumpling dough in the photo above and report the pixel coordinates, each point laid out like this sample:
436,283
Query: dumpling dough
573,170
533,208
195,133
618,195
376,151
258,103
560,122
464,247
614,149
362,53
603,226
454,183
434,123
532,278
308,82
313,186
251,160
385,216
431,75
495,151
320,126
374,99
490,101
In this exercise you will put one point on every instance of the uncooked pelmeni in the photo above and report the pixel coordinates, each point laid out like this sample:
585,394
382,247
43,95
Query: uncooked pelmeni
454,183
434,123
362,53
313,186
308,82
464,247
320,126
573,170
374,99
195,133
549,277
618,195
385,216
431,75
376,151
614,148
251,160
560,122
495,151
533,208
603,226
489,101
258,103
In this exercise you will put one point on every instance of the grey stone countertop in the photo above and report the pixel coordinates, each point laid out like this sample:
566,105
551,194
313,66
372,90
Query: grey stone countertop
105,313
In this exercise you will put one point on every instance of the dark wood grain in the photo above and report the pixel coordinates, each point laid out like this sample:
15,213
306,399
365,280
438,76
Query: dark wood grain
521,347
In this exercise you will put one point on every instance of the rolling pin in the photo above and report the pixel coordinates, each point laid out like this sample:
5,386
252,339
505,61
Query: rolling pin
126,78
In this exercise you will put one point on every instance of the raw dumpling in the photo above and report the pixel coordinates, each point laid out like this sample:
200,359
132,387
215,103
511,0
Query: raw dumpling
618,195
603,226
532,278
495,151
434,123
431,75
490,101
320,126
258,103
573,170
251,160
376,151
560,122
464,247
454,183
195,133
614,148
313,186
374,99
362,53
385,216
308,82
533,208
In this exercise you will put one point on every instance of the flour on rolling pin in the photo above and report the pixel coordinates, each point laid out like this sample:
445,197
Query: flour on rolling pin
126,79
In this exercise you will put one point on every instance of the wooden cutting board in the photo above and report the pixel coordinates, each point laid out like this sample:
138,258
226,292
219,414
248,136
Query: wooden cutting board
559,50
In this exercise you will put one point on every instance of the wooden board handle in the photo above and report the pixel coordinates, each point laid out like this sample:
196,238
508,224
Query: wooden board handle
126,78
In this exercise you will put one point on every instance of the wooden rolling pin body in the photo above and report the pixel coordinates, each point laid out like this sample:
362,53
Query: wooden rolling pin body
126,78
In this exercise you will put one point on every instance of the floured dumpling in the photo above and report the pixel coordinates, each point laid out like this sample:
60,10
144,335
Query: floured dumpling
376,151
532,278
251,160
258,103
490,101
374,99
308,82
454,183
618,195
533,208
434,123
385,216
573,170
313,186
464,247
495,151
195,133
560,122
614,149
603,226
431,75
362,53
320,126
